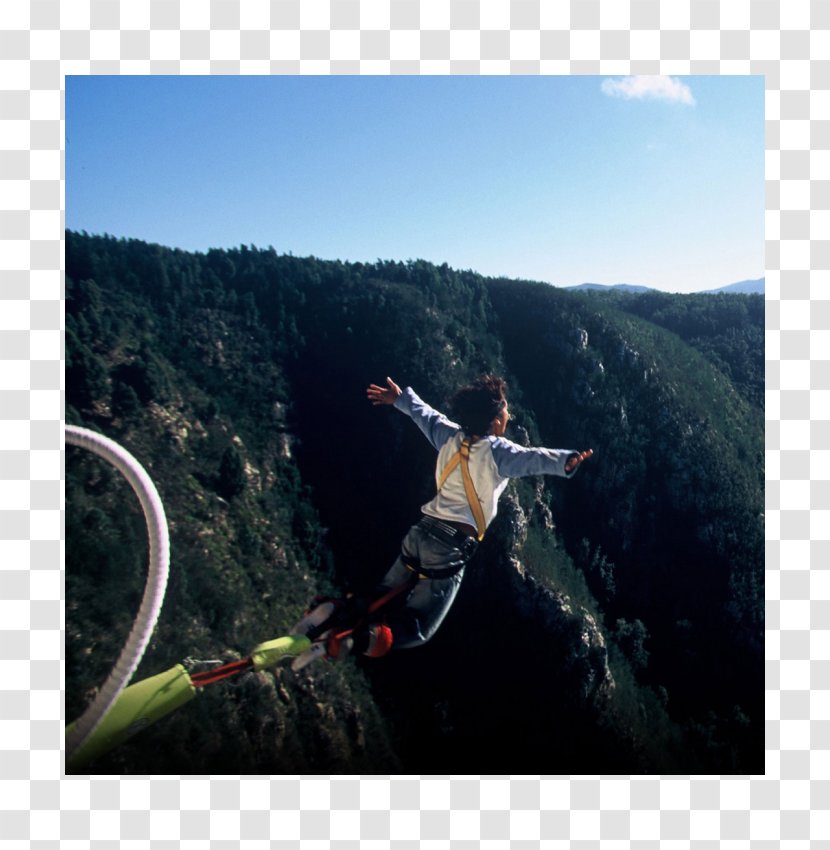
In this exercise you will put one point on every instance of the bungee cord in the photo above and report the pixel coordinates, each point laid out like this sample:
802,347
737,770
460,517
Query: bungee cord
154,590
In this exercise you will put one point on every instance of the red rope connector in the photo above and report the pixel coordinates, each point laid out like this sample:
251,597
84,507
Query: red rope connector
218,674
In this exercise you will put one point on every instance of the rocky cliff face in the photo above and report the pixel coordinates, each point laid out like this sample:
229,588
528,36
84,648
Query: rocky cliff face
561,621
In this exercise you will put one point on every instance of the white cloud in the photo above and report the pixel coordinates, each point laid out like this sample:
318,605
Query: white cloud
655,87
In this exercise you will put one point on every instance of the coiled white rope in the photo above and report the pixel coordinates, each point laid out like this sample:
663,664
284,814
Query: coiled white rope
154,589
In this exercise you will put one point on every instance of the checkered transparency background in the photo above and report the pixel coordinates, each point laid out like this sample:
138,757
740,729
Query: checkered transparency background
44,40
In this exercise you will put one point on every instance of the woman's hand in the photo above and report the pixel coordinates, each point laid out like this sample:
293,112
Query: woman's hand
383,395
575,459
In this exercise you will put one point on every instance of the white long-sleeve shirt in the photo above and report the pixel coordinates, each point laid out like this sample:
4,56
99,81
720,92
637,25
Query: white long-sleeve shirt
493,461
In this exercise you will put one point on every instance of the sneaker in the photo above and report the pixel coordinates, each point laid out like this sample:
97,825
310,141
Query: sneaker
317,650
315,617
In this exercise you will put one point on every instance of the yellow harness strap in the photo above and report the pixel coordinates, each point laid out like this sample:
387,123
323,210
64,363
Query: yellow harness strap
462,458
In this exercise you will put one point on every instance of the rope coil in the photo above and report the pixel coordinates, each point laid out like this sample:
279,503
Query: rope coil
155,587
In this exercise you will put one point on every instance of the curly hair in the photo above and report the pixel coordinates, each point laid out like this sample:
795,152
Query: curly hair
477,405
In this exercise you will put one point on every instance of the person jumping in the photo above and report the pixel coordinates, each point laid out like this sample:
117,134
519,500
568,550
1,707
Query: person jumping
475,463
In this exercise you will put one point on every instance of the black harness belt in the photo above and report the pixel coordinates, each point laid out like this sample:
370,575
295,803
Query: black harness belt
445,533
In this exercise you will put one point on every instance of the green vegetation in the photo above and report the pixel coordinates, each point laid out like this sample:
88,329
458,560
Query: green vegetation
617,617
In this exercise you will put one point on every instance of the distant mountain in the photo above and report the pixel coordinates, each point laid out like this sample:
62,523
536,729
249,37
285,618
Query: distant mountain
743,287
618,287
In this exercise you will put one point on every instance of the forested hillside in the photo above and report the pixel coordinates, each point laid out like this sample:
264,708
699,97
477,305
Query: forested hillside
612,623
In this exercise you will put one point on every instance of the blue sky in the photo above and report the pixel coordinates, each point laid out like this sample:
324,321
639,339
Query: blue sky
654,181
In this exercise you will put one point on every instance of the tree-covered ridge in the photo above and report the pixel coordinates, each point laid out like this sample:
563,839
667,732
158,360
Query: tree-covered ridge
634,591
728,331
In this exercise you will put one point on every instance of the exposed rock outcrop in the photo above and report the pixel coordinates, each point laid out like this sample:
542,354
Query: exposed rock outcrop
577,645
